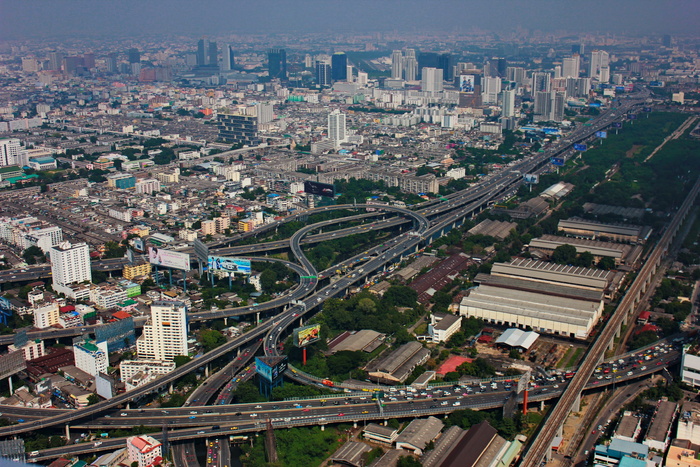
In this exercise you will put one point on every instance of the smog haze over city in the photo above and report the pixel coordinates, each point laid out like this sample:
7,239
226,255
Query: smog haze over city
371,233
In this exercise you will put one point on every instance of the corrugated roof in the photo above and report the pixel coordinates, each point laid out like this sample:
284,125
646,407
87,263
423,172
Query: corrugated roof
515,337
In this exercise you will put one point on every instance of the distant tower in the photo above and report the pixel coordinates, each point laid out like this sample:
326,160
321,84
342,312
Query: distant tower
540,82
213,54
666,40
410,65
570,67
70,264
112,63
599,59
432,79
323,73
134,56
55,60
229,59
339,66
202,52
396,64
277,64
508,103
336,127
445,64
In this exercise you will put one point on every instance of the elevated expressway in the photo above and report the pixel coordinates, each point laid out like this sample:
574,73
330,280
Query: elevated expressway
605,340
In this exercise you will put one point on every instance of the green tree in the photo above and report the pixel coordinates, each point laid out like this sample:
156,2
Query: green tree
408,461
211,339
181,360
564,254
93,399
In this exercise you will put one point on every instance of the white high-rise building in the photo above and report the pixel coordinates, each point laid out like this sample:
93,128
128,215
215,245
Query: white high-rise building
396,64
70,264
228,58
165,333
410,65
432,79
508,103
336,127
362,78
90,356
9,151
491,87
599,59
570,67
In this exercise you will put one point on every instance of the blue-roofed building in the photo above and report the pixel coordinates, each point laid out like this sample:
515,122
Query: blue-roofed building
632,462
618,450
42,163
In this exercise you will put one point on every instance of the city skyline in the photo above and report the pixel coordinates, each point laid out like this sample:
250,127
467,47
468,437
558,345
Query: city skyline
21,20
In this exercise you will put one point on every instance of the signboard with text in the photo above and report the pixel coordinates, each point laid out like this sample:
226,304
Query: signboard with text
306,335
168,258
222,263
580,147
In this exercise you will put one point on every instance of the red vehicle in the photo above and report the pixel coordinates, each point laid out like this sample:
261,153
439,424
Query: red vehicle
328,382
569,375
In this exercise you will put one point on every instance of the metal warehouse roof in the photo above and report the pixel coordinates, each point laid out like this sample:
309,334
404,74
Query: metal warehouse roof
515,337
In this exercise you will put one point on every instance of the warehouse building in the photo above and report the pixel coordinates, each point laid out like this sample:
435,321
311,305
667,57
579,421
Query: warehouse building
416,436
545,308
581,228
366,340
492,228
658,436
397,366
559,274
621,253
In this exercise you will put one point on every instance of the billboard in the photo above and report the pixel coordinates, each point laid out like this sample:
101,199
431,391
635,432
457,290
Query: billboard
138,245
580,147
617,124
168,258
221,263
601,134
632,116
270,372
466,84
317,188
531,178
558,161
647,109
306,335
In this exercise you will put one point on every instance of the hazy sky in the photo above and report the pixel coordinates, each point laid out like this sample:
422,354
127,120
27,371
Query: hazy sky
45,18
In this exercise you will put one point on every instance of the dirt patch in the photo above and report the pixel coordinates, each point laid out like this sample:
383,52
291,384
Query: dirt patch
634,150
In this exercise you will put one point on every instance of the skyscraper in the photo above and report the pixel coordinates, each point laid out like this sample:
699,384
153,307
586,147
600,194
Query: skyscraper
570,67
323,73
229,59
213,54
339,66
134,55
508,103
491,88
599,59
516,74
165,333
336,127
202,47
410,65
432,79
540,82
445,64
55,60
70,264
396,64
277,64
112,63
666,40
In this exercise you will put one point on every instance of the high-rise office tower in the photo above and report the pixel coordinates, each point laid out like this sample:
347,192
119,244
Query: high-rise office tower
541,82
70,264
579,49
339,66
55,60
277,64
112,63
445,64
490,89
336,127
308,61
578,87
501,66
542,106
202,46
213,55
323,73
557,71
165,333
508,103
396,64
362,78
599,59
570,67
410,65
10,150
427,60
229,59
604,74
558,102
516,74
666,40
240,126
134,55
431,80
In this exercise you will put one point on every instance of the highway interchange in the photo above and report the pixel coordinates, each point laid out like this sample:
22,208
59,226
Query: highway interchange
430,222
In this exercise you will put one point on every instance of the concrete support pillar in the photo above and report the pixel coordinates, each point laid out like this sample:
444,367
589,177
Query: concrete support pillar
577,405
68,433
323,427
541,406
560,431
128,405
354,424
386,422
170,388
206,370
9,383
225,321
257,317
238,352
